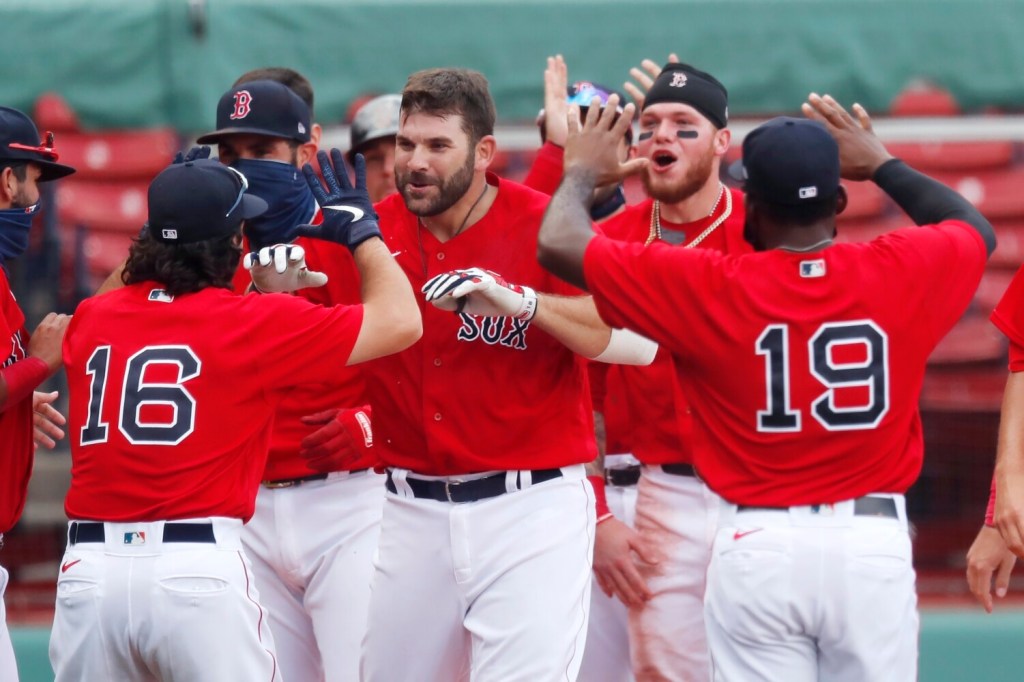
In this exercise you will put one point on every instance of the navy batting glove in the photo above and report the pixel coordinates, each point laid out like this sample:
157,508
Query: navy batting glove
193,154
349,217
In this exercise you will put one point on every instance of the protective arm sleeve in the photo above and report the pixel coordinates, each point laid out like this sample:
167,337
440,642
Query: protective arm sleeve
628,348
928,201
19,379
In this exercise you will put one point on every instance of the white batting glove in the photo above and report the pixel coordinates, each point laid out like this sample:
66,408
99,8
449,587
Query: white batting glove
480,292
281,268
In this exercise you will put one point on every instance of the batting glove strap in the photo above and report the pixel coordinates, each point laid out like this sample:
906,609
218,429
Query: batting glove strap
529,306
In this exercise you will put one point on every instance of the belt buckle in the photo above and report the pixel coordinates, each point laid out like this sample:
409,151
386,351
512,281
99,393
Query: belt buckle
273,485
448,489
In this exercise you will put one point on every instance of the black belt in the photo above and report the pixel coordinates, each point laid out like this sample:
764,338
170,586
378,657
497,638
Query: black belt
623,477
469,491
292,482
869,505
680,469
82,531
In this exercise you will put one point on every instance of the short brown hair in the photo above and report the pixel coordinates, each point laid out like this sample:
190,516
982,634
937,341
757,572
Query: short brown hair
445,92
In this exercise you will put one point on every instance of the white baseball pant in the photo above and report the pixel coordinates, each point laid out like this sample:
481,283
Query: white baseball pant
678,515
136,606
606,657
311,547
496,590
809,594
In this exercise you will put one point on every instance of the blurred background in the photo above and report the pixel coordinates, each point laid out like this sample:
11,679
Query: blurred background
125,84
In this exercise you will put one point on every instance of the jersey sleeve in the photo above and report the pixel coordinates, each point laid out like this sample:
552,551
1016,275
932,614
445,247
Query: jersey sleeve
304,343
1008,316
633,285
546,172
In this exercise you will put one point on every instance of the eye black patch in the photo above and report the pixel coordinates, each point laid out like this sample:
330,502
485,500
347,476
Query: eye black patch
683,134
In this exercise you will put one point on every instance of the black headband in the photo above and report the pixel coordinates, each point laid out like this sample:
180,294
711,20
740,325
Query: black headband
686,85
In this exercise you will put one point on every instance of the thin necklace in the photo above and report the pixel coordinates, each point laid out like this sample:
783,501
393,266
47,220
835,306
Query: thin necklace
805,249
655,232
420,224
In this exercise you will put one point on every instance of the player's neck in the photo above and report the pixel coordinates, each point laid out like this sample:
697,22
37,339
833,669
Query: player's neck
695,207
804,239
464,213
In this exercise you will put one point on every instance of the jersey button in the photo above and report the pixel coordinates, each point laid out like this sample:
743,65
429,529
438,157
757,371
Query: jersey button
437,416
437,362
440,256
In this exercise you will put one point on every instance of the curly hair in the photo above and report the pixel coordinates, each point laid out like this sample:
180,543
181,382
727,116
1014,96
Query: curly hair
183,268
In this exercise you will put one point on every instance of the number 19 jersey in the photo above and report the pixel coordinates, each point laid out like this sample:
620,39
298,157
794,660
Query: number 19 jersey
803,370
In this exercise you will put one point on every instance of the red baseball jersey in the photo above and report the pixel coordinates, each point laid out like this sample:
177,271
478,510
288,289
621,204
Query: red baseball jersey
345,389
803,370
172,399
658,409
1008,316
479,393
16,446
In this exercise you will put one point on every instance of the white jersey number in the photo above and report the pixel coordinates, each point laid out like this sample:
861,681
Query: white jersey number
871,373
137,393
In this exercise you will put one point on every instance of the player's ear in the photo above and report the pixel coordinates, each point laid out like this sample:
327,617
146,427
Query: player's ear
315,134
841,200
485,151
305,152
722,139
8,185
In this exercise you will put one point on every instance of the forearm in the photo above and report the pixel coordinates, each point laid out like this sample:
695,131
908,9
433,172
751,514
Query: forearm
928,201
566,229
19,379
1010,450
574,321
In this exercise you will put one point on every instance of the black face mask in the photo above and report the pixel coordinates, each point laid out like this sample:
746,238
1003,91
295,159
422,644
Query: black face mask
290,203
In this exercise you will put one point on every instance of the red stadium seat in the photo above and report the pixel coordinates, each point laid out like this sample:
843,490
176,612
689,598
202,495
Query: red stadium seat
52,112
954,156
997,194
922,98
866,200
973,340
123,155
111,206
1009,251
964,389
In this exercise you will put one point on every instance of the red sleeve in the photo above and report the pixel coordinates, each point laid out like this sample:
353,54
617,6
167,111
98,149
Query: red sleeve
546,172
1008,316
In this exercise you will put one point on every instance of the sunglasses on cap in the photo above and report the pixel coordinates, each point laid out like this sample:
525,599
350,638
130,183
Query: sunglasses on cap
241,192
48,149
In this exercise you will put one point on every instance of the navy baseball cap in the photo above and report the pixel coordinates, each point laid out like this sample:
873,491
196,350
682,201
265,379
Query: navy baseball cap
199,200
20,142
791,161
262,107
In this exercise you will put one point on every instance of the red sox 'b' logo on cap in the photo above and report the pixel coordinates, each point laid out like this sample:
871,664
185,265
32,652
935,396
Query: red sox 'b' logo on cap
678,80
243,105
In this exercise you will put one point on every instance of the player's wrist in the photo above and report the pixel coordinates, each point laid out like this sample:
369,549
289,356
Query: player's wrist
601,510
528,307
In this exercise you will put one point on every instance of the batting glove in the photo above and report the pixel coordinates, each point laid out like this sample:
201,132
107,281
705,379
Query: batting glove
344,436
480,292
348,215
193,154
281,268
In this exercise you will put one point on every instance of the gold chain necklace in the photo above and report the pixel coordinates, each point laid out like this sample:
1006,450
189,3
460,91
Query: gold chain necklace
656,219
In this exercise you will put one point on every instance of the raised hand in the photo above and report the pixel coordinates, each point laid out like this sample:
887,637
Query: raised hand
480,292
860,150
348,215
192,155
644,76
556,83
281,268
594,146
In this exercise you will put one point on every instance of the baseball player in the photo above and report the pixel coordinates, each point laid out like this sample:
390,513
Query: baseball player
174,382
319,479
484,557
803,374
993,554
26,415
372,134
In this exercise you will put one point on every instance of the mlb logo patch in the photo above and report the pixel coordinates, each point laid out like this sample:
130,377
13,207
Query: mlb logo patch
135,537
808,192
160,296
812,268
169,234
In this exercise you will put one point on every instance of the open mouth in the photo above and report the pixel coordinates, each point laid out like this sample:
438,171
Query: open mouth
663,159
